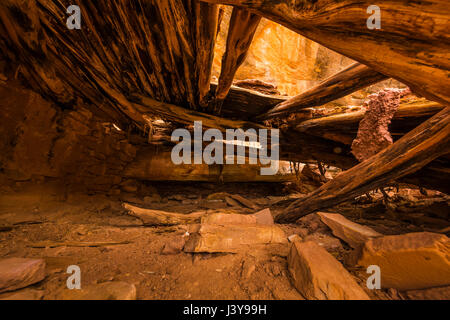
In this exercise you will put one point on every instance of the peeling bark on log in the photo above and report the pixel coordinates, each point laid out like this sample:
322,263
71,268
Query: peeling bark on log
152,166
246,104
409,154
412,45
241,31
351,79
343,127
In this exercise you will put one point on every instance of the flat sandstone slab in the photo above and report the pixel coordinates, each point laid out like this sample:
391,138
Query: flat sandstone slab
352,233
410,261
233,237
17,273
318,275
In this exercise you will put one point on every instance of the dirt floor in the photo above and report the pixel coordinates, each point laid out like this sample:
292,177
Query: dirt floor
35,219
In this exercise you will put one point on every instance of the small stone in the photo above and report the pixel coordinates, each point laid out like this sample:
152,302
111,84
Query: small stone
177,197
16,273
409,261
174,247
352,233
130,186
319,276
218,196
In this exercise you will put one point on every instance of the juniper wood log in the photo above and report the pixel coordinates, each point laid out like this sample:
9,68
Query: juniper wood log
412,152
241,31
162,218
207,17
353,78
343,127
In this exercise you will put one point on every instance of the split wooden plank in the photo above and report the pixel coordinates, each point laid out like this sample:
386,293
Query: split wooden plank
412,45
242,28
207,16
409,154
343,127
353,78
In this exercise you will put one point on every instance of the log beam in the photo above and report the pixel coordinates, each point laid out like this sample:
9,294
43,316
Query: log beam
343,127
416,149
151,217
351,79
412,45
206,24
241,31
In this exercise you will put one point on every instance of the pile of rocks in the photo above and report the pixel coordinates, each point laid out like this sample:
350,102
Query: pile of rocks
407,262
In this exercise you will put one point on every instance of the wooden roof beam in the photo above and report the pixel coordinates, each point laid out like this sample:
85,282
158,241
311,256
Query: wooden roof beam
351,79
412,45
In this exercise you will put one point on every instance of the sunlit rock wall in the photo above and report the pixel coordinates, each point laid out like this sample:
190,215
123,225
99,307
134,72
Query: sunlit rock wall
282,57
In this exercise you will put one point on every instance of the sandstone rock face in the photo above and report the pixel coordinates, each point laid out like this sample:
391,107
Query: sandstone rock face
16,273
319,276
116,290
233,238
352,233
410,261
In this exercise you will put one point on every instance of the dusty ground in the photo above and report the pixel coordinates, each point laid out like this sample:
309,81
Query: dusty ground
35,216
